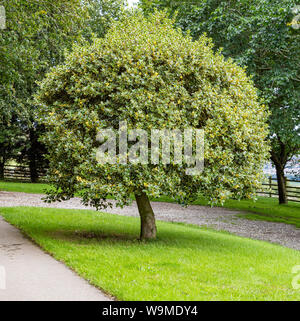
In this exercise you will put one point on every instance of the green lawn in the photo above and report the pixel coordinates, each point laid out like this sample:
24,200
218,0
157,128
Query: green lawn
185,263
266,209
33,188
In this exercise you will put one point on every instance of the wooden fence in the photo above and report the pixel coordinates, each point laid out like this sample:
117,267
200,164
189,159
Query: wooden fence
292,189
21,173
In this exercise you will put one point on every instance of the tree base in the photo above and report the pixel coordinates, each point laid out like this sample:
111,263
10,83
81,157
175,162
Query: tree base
148,226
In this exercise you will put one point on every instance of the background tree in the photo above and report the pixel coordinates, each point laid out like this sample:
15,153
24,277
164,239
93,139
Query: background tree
36,36
257,34
11,136
149,74
102,12
10,111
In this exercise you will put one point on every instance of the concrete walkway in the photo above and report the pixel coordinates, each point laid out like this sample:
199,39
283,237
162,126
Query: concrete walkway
29,274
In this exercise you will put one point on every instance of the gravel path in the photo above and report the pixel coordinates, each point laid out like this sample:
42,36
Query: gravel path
217,218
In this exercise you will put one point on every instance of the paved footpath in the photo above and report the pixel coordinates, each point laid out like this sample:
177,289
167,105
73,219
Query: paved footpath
29,274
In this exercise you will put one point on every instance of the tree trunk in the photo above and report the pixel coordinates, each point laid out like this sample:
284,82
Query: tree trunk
148,227
1,171
32,157
281,184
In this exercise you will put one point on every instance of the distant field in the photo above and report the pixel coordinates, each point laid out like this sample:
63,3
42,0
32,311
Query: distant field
293,183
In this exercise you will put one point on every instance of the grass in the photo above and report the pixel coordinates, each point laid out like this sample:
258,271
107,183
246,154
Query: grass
32,188
266,209
185,263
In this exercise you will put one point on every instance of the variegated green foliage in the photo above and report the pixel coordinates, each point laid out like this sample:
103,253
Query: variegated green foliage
258,34
148,73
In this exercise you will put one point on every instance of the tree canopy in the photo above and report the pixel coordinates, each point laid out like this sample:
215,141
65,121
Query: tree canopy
257,34
37,34
148,73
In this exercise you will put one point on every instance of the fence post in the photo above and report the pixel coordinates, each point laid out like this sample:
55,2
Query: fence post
285,181
270,186
285,186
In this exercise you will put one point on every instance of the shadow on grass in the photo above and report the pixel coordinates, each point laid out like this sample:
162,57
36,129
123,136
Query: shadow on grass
110,229
199,240
90,236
